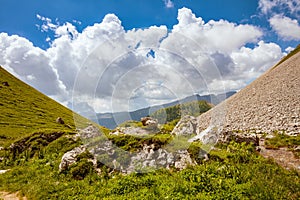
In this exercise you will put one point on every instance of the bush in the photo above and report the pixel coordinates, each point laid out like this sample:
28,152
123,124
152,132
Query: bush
81,169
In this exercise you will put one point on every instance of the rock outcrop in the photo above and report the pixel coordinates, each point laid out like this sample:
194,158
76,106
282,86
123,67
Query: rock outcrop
135,131
148,158
150,126
70,157
187,126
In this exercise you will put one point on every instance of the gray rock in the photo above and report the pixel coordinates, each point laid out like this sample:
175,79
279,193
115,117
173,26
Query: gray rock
149,159
5,83
70,157
186,126
59,120
4,171
149,122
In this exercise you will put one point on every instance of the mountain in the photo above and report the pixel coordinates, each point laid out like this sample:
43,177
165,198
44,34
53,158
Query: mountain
270,103
25,111
111,120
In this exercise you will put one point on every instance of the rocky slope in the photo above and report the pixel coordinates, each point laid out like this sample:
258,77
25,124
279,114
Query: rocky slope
270,103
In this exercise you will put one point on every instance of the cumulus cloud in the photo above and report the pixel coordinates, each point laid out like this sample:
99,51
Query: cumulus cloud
283,17
285,27
208,34
106,68
252,62
29,63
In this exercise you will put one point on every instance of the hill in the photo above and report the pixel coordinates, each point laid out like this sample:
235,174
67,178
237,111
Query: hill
270,103
24,111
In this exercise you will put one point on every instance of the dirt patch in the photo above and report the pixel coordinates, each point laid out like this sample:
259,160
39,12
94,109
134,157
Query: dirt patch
282,156
11,196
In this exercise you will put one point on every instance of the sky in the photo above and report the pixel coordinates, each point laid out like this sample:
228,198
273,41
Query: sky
120,55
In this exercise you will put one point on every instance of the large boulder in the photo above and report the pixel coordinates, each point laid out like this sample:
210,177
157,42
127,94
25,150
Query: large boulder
186,126
149,122
70,157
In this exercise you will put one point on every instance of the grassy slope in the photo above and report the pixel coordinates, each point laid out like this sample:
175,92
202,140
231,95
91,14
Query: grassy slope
24,111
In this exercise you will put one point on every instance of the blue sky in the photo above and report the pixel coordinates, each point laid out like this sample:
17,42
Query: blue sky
19,17
50,45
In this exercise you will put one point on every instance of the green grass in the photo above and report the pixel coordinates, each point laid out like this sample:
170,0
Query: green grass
131,123
282,140
24,111
234,171
169,114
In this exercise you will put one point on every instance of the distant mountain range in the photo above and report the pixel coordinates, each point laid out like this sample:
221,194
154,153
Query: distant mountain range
111,120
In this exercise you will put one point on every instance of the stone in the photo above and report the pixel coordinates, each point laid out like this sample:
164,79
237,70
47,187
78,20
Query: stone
149,159
4,171
59,120
70,157
149,122
5,83
186,126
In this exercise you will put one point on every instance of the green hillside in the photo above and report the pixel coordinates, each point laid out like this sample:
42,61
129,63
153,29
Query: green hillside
194,108
24,111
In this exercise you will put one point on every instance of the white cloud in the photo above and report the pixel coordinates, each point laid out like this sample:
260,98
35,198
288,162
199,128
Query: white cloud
252,62
215,35
285,27
168,3
289,49
280,6
29,63
105,68
47,24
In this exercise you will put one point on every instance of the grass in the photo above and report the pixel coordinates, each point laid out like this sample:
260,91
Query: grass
234,171
282,140
169,114
25,111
